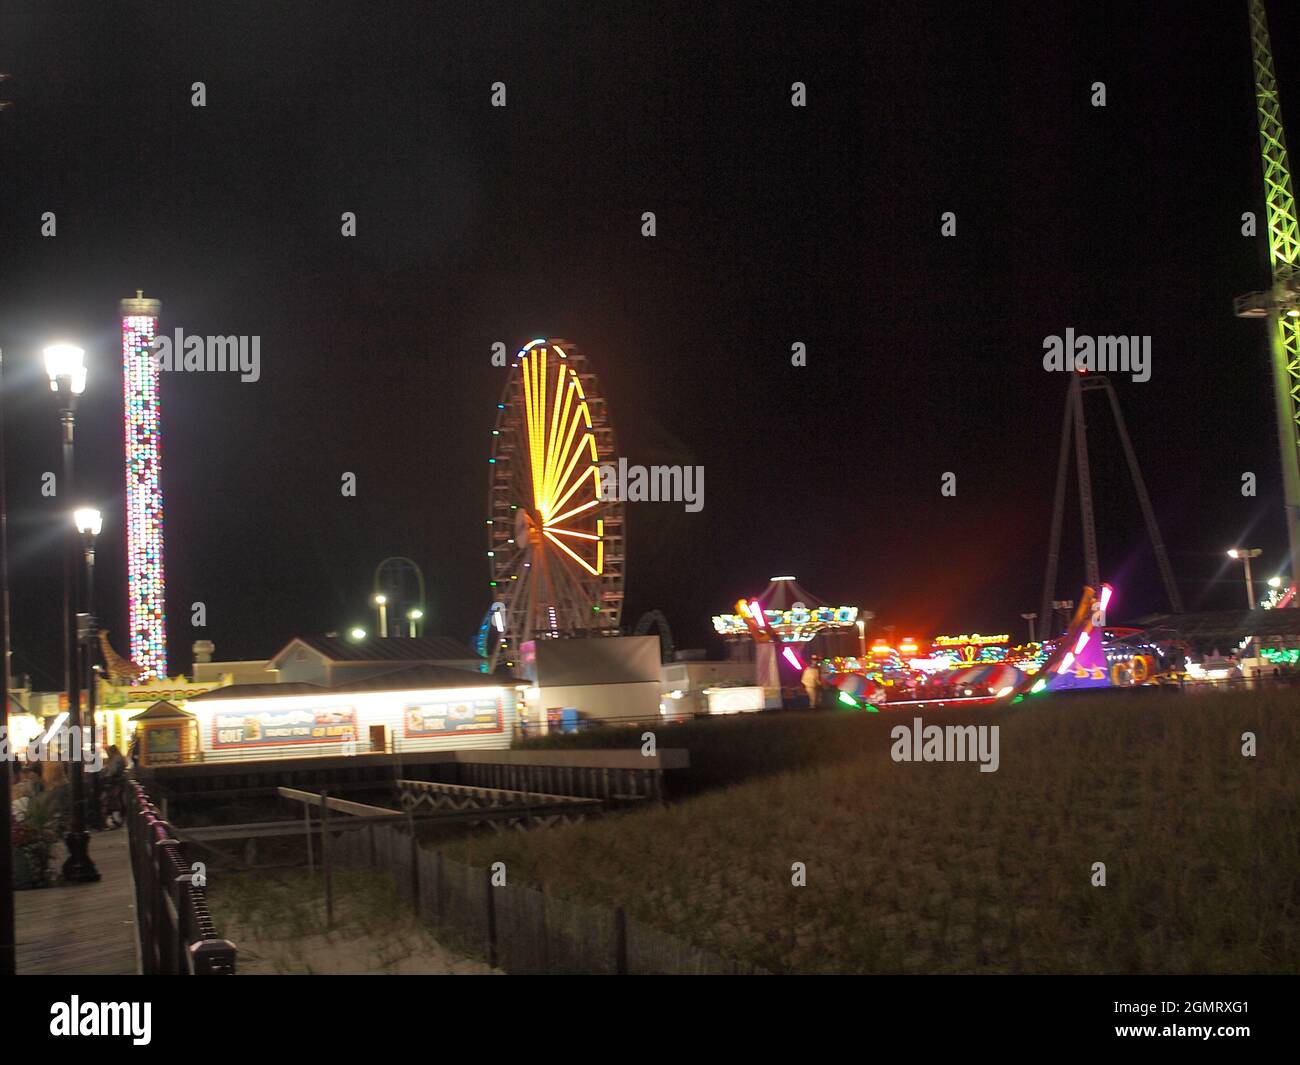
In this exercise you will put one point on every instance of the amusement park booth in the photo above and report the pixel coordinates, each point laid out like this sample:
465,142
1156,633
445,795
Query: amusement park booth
419,708
168,735
689,686
603,677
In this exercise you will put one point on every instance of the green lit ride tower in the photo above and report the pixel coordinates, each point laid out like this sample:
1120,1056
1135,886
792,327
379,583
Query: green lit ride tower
1281,303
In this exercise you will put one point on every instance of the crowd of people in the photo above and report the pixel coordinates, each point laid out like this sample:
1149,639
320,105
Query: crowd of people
30,778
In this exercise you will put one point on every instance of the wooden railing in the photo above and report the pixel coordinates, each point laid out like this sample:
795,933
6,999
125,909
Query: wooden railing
177,936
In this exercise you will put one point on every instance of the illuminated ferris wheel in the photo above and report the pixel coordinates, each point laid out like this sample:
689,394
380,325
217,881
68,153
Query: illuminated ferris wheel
555,543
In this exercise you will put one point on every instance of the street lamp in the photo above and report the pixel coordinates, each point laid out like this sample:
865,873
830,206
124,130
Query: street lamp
413,615
381,601
8,936
358,633
89,522
1063,606
65,365
1245,555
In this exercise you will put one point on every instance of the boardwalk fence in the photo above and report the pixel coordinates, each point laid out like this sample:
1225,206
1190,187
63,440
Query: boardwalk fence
177,937
520,929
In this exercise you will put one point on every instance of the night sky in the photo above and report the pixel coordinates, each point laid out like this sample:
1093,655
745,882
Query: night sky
775,224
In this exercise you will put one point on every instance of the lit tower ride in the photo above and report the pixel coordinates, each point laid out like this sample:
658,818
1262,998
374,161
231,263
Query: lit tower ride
1281,303
144,512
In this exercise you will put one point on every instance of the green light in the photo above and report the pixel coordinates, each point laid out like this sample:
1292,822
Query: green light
1039,685
847,699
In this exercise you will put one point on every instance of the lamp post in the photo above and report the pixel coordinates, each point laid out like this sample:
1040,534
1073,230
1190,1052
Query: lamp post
89,522
381,601
1245,555
8,931
66,367
1031,618
1063,606
413,615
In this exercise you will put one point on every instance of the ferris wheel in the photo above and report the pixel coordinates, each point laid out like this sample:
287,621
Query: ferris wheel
555,542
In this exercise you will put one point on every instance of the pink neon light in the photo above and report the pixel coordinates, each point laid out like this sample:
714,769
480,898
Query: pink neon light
1084,637
1066,662
756,612
789,655
1106,592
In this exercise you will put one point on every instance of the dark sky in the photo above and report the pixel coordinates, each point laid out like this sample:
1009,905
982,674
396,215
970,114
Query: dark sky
776,225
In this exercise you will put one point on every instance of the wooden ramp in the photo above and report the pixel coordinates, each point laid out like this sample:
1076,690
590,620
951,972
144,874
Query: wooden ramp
82,929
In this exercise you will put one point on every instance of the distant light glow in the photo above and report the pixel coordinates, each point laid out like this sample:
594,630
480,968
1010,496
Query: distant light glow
1106,592
1066,662
1082,642
789,655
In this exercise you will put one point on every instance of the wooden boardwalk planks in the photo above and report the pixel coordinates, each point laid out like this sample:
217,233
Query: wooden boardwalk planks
82,929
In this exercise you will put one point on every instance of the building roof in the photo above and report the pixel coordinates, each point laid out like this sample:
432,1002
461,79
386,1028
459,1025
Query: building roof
255,691
1224,626
375,649
416,678
419,677
162,709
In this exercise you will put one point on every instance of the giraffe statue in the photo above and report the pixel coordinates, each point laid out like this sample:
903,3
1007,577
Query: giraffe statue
119,668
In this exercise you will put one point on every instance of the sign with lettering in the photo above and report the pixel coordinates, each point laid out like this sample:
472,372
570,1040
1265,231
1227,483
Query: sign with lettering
457,717
265,728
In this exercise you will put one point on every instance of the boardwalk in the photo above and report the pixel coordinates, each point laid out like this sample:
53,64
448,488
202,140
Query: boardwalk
75,929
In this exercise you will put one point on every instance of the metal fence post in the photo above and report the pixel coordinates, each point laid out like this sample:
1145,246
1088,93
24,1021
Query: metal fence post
325,858
306,813
491,918
415,862
620,941
437,888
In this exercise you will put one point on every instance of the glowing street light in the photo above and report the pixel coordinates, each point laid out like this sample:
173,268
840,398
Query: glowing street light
1245,555
89,521
65,364
381,601
358,633
413,615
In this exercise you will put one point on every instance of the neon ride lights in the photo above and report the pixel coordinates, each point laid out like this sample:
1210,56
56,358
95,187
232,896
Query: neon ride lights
144,520
791,626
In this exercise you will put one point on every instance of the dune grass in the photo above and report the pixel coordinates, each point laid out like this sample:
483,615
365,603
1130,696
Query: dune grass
936,867
277,919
